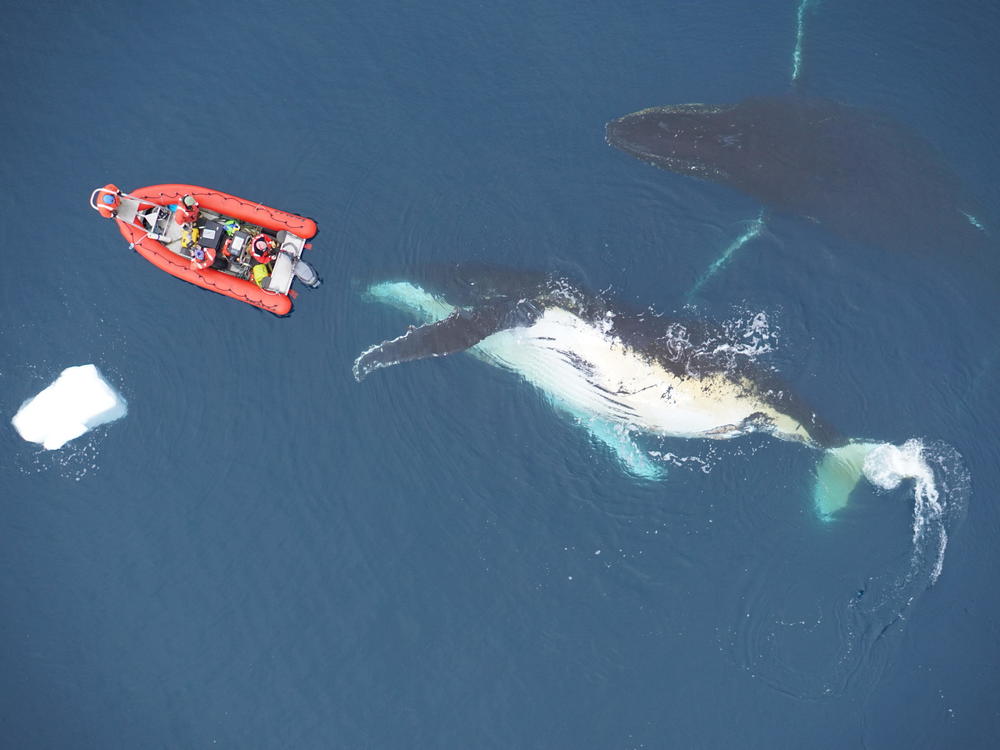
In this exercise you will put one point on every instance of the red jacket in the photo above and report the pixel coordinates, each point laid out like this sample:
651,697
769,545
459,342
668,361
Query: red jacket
185,215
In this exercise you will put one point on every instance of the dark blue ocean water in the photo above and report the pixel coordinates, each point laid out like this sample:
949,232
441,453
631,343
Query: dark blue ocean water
265,553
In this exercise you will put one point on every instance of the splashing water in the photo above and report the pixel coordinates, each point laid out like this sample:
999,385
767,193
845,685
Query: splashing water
811,646
803,639
704,464
749,335
887,466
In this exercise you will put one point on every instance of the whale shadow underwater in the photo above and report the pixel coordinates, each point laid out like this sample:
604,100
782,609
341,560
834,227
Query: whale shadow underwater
616,372
858,173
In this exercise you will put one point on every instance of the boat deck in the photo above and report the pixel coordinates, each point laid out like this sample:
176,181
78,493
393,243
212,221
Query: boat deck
157,222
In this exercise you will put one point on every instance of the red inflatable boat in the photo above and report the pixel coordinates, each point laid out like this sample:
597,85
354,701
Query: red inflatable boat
222,243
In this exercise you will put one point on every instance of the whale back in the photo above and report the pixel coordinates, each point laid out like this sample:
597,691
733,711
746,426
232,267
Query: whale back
857,172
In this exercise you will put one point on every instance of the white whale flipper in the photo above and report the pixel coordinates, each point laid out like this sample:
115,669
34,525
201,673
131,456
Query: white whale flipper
616,436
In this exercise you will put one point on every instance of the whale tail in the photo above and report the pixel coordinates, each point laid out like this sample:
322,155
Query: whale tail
936,469
838,474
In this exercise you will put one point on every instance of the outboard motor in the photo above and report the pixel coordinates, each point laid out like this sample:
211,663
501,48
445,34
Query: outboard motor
306,274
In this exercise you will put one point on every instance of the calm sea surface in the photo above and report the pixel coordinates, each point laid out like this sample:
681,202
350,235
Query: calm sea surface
265,553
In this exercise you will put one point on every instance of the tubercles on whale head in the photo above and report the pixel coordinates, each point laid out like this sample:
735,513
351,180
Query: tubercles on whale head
684,138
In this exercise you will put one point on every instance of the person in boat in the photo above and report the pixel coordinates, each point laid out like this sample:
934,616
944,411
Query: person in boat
262,275
263,248
187,212
302,270
202,257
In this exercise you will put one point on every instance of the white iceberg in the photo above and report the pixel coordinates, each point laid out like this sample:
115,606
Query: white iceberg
78,401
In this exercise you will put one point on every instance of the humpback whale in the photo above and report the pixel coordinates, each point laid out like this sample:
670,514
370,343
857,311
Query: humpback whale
615,372
858,173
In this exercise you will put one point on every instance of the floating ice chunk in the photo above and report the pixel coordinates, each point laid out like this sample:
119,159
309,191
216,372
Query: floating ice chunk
78,401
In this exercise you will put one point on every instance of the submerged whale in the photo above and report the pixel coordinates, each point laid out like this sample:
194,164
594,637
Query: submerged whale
858,173
615,372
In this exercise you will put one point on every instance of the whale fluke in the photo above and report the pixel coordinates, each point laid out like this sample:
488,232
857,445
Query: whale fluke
838,474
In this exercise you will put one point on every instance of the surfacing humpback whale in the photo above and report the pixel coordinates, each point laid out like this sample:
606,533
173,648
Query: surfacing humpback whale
615,372
858,173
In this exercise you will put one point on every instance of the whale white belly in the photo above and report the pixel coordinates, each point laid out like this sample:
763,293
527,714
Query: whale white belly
585,370
578,365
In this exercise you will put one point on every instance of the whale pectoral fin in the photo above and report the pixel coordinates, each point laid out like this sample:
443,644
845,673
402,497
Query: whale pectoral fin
615,436
459,331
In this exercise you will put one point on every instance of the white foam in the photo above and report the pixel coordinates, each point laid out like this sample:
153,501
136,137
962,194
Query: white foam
78,401
886,467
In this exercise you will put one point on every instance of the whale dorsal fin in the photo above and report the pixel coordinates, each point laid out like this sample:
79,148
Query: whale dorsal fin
459,331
